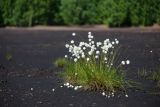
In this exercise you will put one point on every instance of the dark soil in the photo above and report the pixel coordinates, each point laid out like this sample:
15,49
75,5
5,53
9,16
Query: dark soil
27,75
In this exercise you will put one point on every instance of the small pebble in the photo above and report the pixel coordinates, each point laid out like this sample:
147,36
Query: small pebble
126,95
80,86
67,84
31,89
53,89
75,88
70,104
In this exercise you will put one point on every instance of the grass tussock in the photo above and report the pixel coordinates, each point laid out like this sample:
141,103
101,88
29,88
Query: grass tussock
156,75
142,73
60,62
93,77
8,56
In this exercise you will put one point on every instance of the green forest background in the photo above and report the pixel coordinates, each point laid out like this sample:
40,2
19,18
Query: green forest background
114,13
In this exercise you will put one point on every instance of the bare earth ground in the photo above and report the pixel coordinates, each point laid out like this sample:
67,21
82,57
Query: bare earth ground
27,75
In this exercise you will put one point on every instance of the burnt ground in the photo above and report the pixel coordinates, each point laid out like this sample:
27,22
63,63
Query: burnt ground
27,75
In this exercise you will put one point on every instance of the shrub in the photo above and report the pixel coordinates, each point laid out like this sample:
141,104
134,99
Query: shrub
1,18
7,13
144,12
30,12
113,12
79,11
34,12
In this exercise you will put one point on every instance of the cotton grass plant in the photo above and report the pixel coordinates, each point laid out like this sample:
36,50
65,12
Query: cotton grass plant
95,66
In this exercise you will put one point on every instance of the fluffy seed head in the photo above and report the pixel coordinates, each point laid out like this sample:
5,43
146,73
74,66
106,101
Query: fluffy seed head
65,56
127,62
103,94
67,45
126,95
97,52
73,34
96,56
72,41
75,59
123,62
